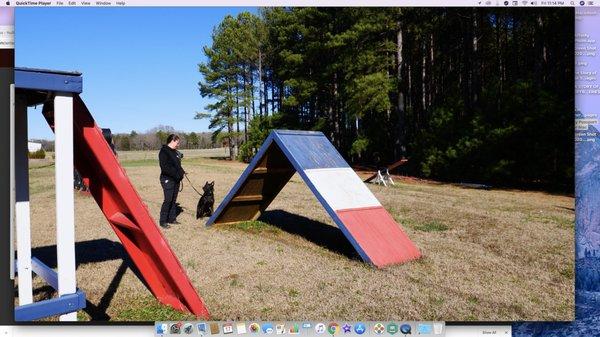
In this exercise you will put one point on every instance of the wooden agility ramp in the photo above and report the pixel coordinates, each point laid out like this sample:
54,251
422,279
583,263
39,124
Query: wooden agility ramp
371,230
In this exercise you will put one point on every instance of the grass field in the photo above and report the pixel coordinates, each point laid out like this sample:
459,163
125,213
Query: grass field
497,255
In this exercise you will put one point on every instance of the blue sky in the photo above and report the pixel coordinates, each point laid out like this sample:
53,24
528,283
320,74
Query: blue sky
139,65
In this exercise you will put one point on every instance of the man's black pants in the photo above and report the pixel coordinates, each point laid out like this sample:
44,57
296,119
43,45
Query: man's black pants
168,210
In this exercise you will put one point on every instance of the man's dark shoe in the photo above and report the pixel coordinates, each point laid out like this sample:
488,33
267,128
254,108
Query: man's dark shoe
175,222
165,225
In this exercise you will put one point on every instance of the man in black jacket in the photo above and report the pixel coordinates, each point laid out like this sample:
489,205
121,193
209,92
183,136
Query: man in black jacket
171,174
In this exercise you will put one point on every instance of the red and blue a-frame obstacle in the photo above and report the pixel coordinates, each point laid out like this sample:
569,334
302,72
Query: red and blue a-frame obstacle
359,215
80,144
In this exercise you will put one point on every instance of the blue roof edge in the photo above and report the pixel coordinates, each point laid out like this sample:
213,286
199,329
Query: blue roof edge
298,132
48,80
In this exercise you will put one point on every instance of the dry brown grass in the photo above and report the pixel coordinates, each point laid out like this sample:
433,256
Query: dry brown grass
220,152
487,255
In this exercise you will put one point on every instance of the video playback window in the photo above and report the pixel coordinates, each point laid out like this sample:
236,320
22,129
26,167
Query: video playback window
294,164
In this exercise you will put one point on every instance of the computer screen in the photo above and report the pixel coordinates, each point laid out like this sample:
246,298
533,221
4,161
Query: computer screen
300,168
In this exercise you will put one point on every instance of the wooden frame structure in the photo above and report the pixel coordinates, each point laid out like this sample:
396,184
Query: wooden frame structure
30,88
80,144
371,230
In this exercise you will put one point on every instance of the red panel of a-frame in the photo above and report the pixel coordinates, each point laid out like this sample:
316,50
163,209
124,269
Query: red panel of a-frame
128,216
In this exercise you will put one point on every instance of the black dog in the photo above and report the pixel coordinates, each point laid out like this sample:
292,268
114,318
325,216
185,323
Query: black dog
207,201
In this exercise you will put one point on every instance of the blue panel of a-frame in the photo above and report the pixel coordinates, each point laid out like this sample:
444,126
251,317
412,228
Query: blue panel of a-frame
290,142
304,149
301,166
311,149
47,80
52,307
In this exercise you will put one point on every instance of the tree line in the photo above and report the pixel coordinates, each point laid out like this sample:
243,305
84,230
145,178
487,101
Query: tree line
154,138
467,94
149,140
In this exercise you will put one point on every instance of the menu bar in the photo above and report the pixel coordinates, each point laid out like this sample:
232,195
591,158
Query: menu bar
376,3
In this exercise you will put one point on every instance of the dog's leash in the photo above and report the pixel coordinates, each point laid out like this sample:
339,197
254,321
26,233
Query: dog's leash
191,185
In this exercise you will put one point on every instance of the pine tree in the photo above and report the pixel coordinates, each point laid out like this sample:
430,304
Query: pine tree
219,82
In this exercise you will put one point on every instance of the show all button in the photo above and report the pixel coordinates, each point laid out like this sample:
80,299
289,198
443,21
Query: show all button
497,332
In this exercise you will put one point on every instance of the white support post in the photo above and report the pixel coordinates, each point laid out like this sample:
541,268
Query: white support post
22,212
380,179
65,198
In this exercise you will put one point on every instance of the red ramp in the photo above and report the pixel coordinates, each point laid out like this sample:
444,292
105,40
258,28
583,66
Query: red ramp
127,215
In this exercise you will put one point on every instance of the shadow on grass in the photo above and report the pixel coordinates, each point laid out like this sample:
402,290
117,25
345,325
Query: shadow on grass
93,251
328,237
572,209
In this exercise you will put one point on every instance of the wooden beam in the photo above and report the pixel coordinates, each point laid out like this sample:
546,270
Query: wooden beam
247,198
65,198
266,170
119,219
389,168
